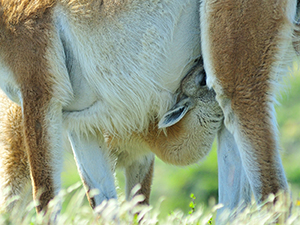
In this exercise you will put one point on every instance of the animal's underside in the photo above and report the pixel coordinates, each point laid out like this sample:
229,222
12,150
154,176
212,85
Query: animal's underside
121,80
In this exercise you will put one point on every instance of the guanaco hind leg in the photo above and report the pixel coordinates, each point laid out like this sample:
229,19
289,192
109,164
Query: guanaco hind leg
94,165
140,172
243,43
234,187
14,167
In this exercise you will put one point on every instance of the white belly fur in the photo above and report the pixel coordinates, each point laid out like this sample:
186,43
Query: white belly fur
128,64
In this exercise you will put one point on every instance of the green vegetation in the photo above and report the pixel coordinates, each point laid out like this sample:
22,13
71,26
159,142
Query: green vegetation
123,213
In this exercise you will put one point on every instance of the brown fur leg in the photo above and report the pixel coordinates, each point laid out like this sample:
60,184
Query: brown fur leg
146,184
25,30
14,171
39,157
245,39
140,173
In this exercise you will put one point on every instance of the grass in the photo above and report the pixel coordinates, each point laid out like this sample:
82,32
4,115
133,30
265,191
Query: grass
121,212
111,212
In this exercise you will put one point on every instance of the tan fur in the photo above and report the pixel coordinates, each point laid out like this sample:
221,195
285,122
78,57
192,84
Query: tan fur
24,38
244,44
195,132
14,165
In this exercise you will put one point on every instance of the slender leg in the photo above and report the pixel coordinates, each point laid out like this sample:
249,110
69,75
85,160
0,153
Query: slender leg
94,165
243,61
25,54
140,172
43,141
14,166
234,187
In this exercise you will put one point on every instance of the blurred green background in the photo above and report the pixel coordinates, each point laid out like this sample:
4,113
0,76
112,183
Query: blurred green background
176,184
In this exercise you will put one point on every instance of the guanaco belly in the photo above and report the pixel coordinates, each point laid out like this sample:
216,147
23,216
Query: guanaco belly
125,65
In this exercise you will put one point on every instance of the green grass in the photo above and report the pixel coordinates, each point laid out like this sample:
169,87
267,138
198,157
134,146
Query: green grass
130,213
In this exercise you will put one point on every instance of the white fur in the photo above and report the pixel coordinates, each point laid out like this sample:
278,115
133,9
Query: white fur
123,74
205,47
234,188
94,165
54,124
8,84
62,87
129,66
124,68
